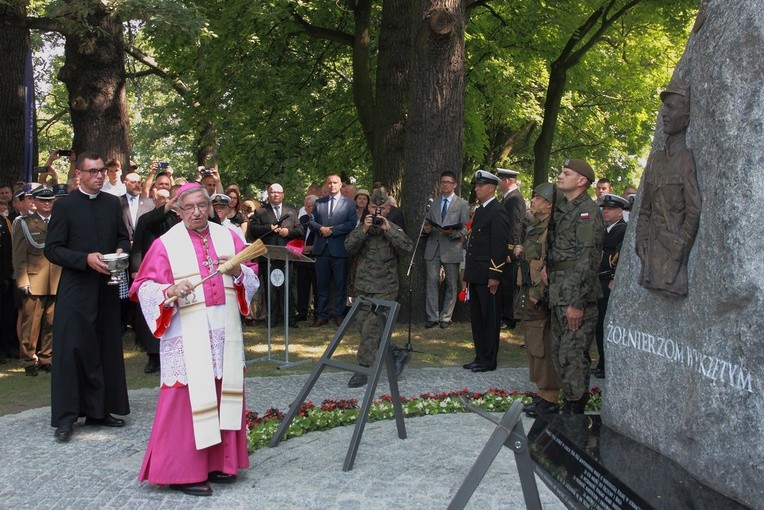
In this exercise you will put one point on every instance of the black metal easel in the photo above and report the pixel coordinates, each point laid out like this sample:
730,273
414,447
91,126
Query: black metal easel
384,353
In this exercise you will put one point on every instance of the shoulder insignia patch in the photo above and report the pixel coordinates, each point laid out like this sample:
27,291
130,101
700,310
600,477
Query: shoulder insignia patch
584,215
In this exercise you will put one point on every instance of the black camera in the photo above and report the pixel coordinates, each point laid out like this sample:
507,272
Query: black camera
64,153
163,165
205,172
376,218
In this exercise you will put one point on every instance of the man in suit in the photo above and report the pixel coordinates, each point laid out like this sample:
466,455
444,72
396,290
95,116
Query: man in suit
306,271
445,228
134,203
485,263
37,281
334,216
513,202
265,225
151,226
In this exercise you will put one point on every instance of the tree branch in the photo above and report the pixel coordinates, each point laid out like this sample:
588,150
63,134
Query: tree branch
147,60
8,18
323,33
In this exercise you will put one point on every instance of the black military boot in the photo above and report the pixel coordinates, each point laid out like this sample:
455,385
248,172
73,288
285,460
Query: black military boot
358,380
575,406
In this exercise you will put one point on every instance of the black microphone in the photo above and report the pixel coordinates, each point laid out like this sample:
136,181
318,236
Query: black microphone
429,203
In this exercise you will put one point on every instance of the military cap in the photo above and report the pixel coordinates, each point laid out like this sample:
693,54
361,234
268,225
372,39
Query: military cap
545,191
485,177
44,193
507,173
220,199
581,167
26,191
363,192
610,200
676,86
60,190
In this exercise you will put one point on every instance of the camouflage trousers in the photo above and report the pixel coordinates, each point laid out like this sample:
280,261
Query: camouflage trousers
570,350
371,326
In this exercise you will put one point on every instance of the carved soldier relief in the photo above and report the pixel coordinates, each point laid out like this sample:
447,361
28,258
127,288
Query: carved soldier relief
670,212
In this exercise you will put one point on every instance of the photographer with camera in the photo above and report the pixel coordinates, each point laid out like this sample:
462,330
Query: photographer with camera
533,303
377,243
210,179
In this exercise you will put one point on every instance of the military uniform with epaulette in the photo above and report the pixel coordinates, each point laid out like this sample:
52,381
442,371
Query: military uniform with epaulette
574,281
485,260
37,280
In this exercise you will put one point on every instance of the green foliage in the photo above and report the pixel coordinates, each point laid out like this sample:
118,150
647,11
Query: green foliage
280,102
609,109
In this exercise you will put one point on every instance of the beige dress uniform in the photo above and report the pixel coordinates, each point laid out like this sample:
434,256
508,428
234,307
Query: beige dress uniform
34,271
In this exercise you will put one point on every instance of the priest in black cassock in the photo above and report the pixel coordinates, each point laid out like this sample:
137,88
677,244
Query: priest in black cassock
88,376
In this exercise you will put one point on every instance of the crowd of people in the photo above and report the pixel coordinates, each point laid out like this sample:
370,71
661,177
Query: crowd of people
549,266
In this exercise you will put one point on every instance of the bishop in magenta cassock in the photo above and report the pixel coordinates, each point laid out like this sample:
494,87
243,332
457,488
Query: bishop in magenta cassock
199,433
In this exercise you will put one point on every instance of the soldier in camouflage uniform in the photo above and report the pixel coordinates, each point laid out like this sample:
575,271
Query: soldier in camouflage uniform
533,304
574,286
377,243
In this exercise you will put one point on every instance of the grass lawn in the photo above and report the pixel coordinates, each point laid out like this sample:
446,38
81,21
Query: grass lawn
438,348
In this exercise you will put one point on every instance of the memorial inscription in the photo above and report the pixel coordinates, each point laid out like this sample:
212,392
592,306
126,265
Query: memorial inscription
576,477
709,366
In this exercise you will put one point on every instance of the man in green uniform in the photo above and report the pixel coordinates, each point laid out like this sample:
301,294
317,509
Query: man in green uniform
377,243
573,282
533,304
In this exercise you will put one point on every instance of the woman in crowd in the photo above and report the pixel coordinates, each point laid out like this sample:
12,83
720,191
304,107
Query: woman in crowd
234,205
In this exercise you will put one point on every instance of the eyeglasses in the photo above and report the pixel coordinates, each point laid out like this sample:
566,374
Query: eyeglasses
447,182
95,171
203,207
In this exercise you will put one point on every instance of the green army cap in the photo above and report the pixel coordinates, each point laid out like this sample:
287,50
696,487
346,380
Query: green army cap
581,167
545,191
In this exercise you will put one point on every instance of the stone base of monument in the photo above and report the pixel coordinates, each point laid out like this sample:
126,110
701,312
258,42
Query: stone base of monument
588,465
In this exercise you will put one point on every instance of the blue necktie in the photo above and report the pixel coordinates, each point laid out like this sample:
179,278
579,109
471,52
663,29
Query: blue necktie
443,211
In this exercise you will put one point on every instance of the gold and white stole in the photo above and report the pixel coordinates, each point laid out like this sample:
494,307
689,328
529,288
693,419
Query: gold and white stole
196,339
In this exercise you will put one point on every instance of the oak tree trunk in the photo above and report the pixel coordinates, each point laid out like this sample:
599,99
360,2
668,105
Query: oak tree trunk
392,93
435,125
14,45
94,75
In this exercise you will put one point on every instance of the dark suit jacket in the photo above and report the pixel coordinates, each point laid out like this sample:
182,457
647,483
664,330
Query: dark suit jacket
343,220
145,205
487,246
515,206
264,217
151,226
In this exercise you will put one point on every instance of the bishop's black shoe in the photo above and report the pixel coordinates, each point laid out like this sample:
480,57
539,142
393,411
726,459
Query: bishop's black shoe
220,477
193,489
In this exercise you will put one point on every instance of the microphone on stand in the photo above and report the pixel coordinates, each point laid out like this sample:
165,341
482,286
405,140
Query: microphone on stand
429,203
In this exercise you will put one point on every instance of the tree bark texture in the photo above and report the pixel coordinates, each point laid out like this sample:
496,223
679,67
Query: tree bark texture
14,45
391,93
94,75
435,126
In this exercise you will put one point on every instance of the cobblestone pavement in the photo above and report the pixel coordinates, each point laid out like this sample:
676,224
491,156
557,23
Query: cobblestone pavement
98,468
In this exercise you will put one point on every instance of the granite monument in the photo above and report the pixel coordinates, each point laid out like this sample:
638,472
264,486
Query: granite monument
685,371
